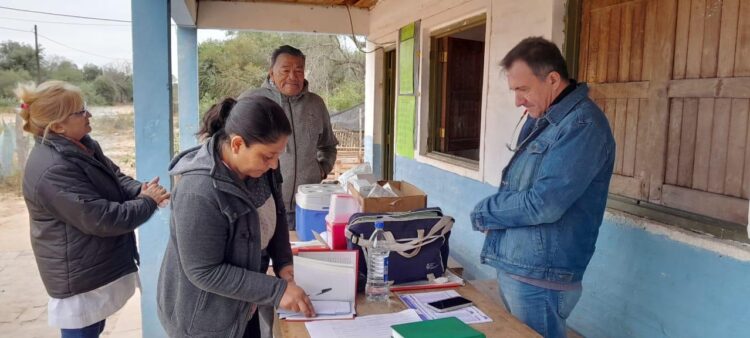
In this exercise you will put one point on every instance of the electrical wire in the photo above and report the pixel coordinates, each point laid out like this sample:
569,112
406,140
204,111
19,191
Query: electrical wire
17,30
65,23
65,15
354,40
79,50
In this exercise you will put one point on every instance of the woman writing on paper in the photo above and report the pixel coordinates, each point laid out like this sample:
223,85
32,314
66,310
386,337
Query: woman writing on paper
227,209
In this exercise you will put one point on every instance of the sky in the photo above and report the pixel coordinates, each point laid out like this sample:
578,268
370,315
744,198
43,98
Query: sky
79,40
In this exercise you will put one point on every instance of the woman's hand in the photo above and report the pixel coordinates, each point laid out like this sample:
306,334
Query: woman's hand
154,191
287,273
295,299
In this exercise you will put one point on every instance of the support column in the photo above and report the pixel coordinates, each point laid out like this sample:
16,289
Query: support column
187,69
152,100
373,109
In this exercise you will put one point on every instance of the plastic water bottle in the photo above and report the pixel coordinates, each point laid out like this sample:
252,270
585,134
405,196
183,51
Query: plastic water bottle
377,270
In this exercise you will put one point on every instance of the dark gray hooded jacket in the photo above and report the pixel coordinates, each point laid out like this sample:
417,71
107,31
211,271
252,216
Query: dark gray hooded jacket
82,211
211,273
312,145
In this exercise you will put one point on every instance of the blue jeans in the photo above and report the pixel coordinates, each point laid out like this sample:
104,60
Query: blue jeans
544,310
91,331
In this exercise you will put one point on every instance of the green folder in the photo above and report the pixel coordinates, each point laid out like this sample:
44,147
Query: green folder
450,327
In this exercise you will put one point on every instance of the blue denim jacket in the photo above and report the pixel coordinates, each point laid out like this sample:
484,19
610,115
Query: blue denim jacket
544,220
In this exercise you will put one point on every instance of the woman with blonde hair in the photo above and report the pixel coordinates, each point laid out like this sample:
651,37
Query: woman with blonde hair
82,211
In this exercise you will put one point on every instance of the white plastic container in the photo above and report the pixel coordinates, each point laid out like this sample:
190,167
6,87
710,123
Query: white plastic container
313,202
343,206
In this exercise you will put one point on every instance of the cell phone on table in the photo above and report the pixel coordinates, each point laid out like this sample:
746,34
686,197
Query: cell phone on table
450,304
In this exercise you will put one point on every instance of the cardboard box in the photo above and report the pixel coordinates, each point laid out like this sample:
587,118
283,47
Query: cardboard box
412,198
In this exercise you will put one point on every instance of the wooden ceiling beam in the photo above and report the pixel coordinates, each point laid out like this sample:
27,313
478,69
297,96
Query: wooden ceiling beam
282,16
365,4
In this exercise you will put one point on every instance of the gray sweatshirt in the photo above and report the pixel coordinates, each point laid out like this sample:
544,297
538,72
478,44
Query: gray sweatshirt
211,278
312,145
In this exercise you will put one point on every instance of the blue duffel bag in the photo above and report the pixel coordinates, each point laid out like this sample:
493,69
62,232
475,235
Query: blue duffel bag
418,241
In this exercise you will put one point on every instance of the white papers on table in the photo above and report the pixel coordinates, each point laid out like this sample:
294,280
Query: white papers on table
418,302
330,279
448,280
372,326
314,244
324,309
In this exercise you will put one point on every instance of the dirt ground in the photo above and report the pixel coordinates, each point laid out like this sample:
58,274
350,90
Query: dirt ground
23,300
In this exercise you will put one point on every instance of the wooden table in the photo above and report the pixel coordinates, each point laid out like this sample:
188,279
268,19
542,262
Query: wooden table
503,324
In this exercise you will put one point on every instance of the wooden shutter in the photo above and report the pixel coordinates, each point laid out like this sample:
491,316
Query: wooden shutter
614,60
673,77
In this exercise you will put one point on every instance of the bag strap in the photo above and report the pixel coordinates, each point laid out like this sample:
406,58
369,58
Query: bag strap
404,245
402,248
437,231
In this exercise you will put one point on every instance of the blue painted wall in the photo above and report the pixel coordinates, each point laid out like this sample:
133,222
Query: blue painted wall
641,284
442,188
187,68
373,156
638,284
152,100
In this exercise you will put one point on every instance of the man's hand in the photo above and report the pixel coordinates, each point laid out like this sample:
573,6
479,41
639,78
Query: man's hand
287,273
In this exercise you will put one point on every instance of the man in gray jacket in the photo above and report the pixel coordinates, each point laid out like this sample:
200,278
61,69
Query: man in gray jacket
311,151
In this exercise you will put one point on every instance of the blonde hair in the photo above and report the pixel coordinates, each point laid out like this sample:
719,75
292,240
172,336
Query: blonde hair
46,104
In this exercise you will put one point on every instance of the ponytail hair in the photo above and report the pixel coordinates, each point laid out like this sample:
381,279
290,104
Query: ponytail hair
215,118
255,118
46,104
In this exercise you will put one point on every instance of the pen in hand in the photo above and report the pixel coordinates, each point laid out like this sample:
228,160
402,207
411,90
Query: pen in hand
323,291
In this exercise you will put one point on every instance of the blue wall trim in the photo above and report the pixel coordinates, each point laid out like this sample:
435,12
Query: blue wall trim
152,100
187,68
638,284
377,162
374,155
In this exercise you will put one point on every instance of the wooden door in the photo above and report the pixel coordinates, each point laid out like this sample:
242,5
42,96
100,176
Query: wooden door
462,62
673,77
389,112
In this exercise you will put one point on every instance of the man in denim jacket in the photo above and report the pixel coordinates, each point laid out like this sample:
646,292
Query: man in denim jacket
542,224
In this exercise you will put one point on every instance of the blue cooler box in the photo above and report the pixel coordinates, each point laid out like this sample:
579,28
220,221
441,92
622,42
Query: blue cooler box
312,207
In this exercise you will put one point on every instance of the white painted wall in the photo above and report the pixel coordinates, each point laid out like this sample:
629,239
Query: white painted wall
374,92
508,22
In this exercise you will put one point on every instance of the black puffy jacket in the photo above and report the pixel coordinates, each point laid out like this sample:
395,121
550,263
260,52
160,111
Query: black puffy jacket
82,211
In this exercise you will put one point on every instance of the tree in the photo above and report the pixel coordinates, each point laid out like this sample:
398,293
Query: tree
9,80
111,84
334,70
64,70
114,86
17,56
91,72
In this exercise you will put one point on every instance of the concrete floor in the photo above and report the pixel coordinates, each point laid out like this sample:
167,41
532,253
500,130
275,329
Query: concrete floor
23,300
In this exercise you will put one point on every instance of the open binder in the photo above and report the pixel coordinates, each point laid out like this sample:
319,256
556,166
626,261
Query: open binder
330,280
